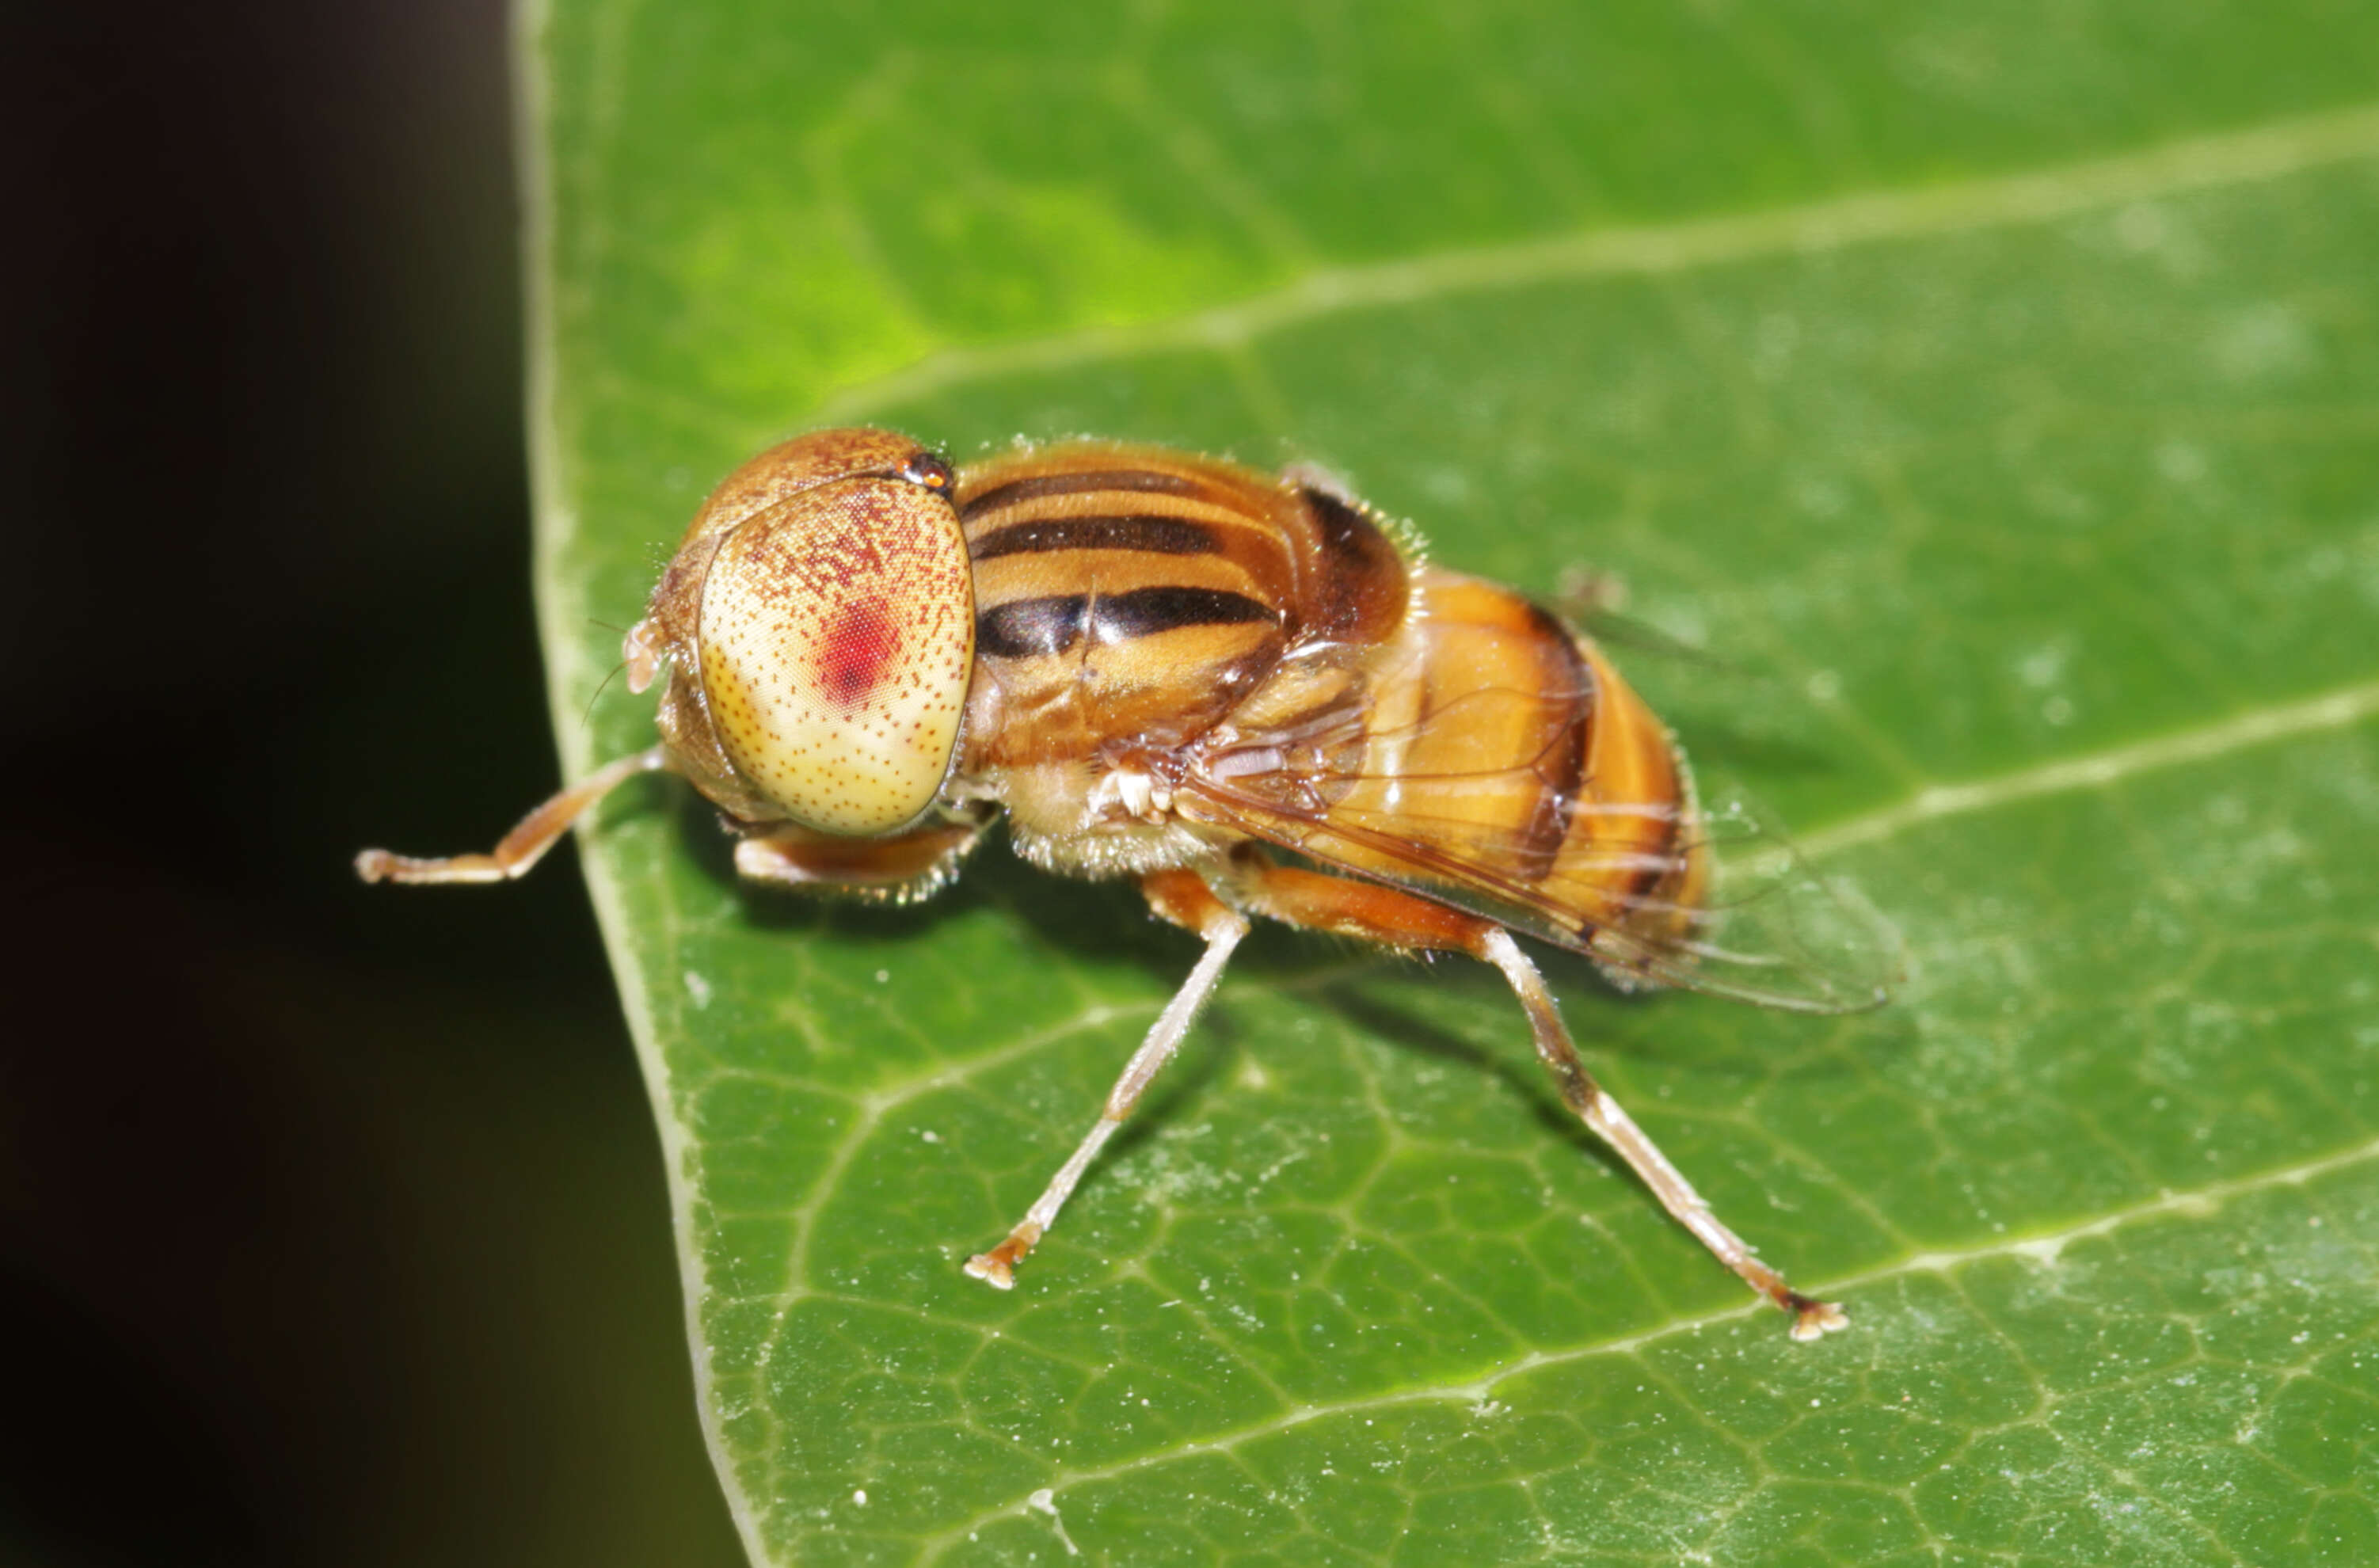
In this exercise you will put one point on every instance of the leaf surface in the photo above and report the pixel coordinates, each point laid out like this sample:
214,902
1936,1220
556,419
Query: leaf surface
1996,392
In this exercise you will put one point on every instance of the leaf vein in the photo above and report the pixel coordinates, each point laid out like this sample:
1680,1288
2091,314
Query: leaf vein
2256,727
2176,167
2195,1201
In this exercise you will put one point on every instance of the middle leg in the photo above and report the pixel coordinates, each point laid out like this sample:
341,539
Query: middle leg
1183,898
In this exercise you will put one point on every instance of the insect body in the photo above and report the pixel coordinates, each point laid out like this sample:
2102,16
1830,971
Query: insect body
1165,667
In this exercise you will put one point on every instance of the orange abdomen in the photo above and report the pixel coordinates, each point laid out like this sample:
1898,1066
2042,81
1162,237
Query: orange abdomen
1502,743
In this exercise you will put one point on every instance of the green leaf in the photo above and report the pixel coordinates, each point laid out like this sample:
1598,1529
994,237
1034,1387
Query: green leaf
1994,389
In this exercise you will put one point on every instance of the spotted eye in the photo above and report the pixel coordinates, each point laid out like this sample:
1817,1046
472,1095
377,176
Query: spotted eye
925,468
836,637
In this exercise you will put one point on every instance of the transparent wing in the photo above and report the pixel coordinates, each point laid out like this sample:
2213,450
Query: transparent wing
1774,930
1764,925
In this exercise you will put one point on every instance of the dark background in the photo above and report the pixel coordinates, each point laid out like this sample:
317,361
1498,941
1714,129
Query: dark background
332,1227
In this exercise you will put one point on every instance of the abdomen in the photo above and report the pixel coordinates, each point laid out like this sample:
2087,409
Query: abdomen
1525,746
1495,760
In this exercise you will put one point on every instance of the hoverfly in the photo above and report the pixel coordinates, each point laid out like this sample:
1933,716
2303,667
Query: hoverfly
1167,667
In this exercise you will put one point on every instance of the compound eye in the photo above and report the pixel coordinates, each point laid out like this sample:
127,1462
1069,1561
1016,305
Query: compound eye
929,470
836,638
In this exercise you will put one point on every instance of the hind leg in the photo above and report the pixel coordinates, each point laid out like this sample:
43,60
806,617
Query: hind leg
1400,920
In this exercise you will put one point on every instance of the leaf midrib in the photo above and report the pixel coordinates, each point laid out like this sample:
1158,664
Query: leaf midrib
2270,150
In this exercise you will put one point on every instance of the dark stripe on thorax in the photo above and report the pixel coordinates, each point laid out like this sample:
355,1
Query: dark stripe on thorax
1155,535
1041,627
1563,764
1026,628
1142,480
1144,612
1363,589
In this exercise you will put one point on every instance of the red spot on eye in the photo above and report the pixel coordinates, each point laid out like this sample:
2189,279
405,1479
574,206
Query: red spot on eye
861,638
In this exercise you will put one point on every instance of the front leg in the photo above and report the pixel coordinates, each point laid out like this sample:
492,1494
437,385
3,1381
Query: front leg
911,865
525,844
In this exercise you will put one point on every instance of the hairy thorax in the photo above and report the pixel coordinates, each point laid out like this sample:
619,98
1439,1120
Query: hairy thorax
1093,819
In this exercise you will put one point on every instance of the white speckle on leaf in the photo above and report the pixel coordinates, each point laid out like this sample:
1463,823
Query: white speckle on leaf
2142,227
2180,461
2045,666
883,977
1045,1499
1819,498
1449,485
2044,1250
859,1497
698,988
2265,342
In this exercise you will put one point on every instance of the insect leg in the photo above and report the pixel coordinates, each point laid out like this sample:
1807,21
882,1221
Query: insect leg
911,865
525,845
1383,914
1181,898
1611,1123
